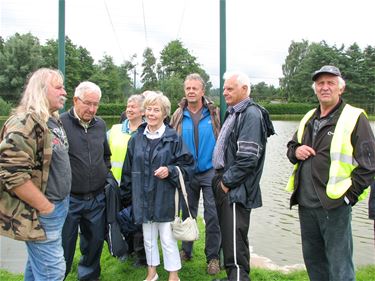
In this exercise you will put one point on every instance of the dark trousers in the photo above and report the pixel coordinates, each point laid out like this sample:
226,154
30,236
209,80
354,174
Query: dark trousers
327,243
234,224
89,216
203,181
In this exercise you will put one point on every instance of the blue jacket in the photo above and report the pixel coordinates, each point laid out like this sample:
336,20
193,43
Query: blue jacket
153,198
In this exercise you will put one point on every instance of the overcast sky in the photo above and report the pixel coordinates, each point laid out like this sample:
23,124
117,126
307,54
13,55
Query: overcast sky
258,32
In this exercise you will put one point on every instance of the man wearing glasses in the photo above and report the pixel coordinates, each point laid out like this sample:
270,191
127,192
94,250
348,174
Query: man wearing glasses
89,155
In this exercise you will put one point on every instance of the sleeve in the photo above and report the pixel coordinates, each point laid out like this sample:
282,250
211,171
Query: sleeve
107,153
291,151
363,142
17,150
184,160
250,149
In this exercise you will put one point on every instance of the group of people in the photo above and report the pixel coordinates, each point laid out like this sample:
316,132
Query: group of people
54,169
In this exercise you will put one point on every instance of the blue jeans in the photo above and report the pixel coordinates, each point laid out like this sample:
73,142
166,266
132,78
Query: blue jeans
327,243
46,258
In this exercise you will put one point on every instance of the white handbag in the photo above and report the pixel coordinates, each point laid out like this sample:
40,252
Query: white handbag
186,230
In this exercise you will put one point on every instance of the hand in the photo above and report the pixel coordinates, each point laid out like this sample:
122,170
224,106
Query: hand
224,188
47,209
161,172
303,152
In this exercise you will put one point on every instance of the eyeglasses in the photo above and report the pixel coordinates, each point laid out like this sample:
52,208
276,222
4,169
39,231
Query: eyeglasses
89,104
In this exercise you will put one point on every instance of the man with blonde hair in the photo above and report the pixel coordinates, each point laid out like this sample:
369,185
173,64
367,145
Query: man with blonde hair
35,175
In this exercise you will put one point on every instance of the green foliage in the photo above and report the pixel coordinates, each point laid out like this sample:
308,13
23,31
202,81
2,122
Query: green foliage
111,109
289,108
5,107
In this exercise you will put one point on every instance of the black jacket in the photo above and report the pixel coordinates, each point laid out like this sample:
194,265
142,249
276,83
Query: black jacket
153,198
364,148
244,155
89,153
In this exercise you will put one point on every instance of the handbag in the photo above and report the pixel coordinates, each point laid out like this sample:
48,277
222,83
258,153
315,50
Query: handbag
186,230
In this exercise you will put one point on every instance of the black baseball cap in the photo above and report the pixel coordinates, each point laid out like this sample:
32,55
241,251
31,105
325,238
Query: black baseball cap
326,69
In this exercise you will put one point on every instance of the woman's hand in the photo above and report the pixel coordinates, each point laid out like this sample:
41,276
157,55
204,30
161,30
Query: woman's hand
162,172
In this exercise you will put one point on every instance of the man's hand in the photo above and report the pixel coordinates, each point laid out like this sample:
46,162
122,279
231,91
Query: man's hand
303,152
224,188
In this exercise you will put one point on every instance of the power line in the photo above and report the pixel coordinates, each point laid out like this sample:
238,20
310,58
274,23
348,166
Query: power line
114,30
144,23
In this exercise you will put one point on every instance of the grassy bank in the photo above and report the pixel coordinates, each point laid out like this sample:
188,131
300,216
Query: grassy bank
195,270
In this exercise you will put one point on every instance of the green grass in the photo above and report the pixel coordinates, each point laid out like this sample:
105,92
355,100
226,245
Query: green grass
194,270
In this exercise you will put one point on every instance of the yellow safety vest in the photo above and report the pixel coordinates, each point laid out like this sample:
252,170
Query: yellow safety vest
118,143
341,153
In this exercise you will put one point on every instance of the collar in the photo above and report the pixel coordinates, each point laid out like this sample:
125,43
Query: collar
83,123
154,135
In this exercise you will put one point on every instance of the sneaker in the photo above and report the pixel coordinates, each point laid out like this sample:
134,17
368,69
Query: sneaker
184,256
213,267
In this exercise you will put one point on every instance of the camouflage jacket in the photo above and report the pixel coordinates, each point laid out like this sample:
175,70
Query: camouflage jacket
25,153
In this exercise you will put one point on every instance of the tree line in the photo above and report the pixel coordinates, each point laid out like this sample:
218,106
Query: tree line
21,54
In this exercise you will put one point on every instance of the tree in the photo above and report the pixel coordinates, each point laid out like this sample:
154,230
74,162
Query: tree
148,77
19,56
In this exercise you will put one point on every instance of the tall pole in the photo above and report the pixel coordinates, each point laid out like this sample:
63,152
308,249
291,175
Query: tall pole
223,57
61,40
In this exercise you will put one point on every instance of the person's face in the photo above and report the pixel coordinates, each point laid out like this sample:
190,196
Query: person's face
154,116
234,92
193,91
86,106
327,90
133,111
56,95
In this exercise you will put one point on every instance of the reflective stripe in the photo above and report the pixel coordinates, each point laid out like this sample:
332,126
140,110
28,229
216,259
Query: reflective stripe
301,129
118,143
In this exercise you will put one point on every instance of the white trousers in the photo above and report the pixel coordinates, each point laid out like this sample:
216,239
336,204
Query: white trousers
171,255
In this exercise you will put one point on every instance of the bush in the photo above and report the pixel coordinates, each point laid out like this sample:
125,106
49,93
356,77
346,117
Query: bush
4,108
289,108
111,109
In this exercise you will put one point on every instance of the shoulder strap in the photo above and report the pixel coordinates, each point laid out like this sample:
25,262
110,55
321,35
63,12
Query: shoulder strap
183,189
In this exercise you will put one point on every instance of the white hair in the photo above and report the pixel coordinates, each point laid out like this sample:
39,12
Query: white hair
241,78
85,87
340,80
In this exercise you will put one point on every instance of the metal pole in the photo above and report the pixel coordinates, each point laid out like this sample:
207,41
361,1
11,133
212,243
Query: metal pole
223,56
61,40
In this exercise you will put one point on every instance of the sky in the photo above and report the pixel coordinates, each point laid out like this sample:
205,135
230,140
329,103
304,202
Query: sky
258,36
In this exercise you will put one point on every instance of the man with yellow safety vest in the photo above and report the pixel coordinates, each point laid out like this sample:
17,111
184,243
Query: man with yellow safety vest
333,152
118,137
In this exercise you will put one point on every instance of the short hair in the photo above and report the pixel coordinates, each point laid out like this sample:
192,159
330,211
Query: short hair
160,99
340,80
139,99
34,98
85,87
195,76
241,78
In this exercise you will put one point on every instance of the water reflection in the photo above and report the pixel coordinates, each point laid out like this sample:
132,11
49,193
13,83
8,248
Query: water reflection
274,228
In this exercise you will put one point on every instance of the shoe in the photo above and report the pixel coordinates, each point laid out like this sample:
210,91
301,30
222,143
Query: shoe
184,256
213,267
156,277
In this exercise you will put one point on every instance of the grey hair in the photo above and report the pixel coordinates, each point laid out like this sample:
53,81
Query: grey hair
340,80
241,78
34,98
160,99
137,99
195,76
85,87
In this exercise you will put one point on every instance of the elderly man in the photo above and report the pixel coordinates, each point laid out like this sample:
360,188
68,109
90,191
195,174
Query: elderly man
238,160
35,175
90,161
334,155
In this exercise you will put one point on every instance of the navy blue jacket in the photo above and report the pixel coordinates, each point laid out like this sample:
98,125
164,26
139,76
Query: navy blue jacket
153,198
89,153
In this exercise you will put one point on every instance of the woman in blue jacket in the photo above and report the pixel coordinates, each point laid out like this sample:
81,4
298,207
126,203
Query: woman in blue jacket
150,179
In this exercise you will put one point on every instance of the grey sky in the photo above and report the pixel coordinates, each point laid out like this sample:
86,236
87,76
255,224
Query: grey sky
258,32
